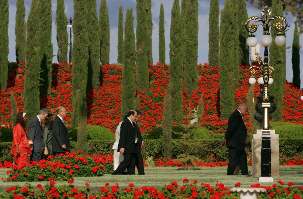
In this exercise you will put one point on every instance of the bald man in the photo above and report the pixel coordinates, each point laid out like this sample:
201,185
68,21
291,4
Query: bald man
60,142
235,137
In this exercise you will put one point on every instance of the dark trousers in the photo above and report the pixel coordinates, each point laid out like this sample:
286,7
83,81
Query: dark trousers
130,161
36,156
125,164
237,160
136,161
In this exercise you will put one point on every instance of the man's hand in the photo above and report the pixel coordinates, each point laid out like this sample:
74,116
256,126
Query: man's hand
142,144
30,142
64,146
122,150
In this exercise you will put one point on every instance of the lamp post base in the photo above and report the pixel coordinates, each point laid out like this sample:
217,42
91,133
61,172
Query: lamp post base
256,153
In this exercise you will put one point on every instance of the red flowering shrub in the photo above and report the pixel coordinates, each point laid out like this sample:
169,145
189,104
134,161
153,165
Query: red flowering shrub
178,163
63,167
104,103
187,189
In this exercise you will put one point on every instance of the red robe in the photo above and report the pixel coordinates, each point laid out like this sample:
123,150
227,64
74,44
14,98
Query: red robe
20,147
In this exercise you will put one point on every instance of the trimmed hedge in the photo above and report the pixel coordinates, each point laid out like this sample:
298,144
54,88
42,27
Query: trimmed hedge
206,150
288,130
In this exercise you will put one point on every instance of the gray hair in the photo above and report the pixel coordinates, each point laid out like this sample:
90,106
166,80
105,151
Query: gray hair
43,111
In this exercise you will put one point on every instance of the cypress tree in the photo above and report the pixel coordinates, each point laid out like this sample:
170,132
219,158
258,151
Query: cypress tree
175,68
20,31
32,69
3,43
45,17
277,60
62,36
190,50
120,37
80,64
229,57
94,47
149,27
161,36
167,126
128,76
213,34
243,34
296,58
104,33
142,48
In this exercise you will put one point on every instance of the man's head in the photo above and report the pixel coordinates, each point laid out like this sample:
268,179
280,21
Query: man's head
61,111
242,108
132,115
43,114
138,115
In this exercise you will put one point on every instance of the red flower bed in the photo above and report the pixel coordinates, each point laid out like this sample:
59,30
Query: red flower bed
178,163
63,167
293,106
187,189
105,101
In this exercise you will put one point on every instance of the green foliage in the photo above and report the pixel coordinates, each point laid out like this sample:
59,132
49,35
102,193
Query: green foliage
203,133
14,108
288,130
94,47
62,36
46,54
120,37
3,44
176,60
190,14
213,34
100,147
5,149
128,76
229,57
20,31
162,36
33,61
278,60
296,57
167,126
243,34
6,134
177,132
149,27
104,33
80,62
142,36
99,133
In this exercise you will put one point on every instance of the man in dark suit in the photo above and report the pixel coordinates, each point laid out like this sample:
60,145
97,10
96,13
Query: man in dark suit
130,146
137,161
235,137
60,141
35,135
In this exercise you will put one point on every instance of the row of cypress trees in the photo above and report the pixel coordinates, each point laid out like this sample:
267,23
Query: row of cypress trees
226,48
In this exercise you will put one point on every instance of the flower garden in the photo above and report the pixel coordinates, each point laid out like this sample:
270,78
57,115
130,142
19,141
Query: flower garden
195,160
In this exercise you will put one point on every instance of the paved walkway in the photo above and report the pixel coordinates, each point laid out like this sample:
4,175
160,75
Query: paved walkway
159,176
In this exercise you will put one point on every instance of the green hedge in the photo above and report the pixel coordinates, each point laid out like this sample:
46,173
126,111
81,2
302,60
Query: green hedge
206,150
288,130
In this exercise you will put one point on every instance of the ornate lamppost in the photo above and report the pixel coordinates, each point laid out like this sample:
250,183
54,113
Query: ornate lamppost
70,40
261,71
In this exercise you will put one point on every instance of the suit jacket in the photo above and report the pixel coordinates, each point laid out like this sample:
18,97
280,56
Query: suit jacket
128,134
236,131
35,133
60,136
